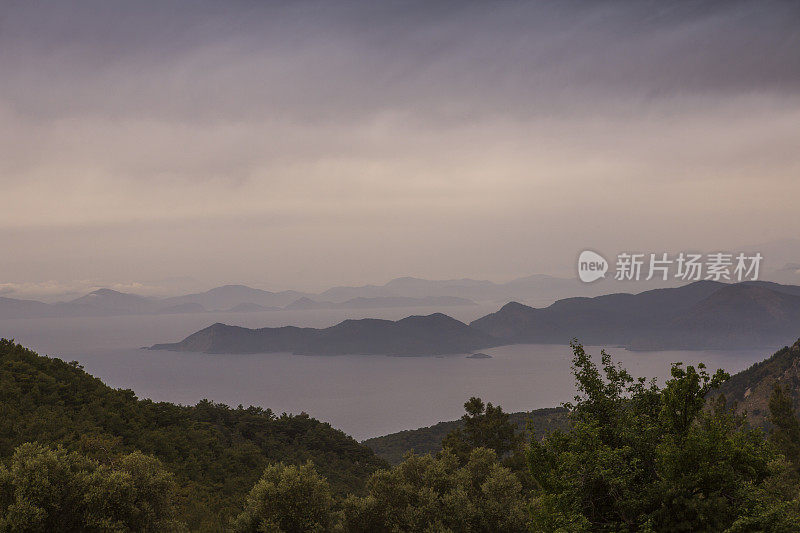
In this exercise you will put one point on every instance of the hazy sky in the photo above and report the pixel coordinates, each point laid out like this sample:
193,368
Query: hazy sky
306,144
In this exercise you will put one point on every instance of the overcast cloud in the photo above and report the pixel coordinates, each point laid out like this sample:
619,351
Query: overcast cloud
308,144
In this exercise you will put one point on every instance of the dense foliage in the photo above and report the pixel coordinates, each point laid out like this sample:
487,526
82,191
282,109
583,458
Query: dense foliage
485,426
215,452
640,458
426,493
786,426
56,490
532,424
288,498
630,456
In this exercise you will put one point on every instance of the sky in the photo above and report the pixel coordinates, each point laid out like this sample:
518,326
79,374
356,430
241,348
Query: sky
162,146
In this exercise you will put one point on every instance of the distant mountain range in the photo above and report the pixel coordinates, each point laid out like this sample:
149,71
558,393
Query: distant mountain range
401,292
434,334
381,301
102,302
700,315
229,298
704,314
537,289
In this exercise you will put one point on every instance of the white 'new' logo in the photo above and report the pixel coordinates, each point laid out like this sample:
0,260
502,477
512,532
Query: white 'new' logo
591,266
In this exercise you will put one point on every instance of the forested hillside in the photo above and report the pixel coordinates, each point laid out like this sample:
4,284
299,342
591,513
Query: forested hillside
751,389
216,452
392,447
627,455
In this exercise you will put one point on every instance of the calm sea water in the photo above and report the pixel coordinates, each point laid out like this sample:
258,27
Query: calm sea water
365,396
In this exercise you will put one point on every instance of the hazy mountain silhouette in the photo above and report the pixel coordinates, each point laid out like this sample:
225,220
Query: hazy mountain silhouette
13,308
536,286
107,300
704,314
101,302
182,308
233,298
250,307
306,303
434,334
380,302
735,316
700,315
228,296
694,316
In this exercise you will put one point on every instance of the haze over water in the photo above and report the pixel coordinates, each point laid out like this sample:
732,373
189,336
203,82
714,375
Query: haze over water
365,396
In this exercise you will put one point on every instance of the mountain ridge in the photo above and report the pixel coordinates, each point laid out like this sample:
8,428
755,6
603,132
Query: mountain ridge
699,315
435,334
235,298
687,317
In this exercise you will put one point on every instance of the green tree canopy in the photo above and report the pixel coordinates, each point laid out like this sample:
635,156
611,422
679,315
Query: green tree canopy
216,452
786,426
638,457
288,499
427,493
52,490
485,426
